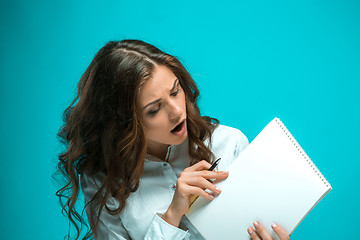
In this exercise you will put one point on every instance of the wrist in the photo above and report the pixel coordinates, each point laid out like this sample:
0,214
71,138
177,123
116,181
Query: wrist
172,217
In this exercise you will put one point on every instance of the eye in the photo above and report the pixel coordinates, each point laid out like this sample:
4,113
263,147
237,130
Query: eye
154,112
177,91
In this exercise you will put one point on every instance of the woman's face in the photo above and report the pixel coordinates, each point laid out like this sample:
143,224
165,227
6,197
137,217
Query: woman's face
163,109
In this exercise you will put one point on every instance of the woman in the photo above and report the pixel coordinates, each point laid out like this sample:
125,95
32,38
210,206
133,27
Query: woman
139,148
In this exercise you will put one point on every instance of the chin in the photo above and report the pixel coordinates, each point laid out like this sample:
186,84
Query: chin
180,140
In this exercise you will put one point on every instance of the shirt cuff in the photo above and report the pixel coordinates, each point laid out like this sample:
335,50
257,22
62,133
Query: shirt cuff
160,229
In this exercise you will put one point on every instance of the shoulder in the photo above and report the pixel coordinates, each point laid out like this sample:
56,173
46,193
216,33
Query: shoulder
90,185
222,129
227,134
227,143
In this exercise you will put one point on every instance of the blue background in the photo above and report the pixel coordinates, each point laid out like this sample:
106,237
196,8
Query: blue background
297,60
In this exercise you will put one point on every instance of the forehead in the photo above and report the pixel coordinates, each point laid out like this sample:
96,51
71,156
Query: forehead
160,83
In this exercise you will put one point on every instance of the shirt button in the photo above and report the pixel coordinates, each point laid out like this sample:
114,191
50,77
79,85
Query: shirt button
173,187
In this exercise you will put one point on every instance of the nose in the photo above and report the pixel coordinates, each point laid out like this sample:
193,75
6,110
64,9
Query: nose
175,111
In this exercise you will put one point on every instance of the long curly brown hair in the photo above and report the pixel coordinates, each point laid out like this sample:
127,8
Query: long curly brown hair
103,132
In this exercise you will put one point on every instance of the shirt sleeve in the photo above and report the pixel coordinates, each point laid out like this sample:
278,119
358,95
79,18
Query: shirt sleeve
110,227
160,229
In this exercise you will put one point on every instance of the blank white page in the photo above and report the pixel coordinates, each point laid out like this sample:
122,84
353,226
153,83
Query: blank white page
272,180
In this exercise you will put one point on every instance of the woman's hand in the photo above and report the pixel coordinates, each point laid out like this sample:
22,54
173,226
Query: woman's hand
259,232
192,181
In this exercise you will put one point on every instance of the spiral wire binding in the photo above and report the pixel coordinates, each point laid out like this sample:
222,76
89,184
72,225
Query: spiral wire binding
302,152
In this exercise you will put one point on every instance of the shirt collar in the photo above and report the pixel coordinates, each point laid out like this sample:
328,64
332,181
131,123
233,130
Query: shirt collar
170,152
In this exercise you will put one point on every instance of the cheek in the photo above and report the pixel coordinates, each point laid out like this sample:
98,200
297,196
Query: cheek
155,124
156,130
152,125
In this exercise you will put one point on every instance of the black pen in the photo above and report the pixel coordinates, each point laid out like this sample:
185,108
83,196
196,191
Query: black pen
214,164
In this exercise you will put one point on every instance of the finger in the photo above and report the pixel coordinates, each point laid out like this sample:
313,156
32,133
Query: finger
219,176
204,184
263,233
202,165
253,234
282,234
225,174
213,175
200,192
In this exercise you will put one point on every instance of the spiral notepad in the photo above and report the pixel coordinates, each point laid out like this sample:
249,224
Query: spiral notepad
272,180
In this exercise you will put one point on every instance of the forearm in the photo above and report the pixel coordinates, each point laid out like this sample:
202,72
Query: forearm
172,216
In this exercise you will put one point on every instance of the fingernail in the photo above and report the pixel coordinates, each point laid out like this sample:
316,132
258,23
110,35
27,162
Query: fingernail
273,225
250,231
212,196
218,189
256,224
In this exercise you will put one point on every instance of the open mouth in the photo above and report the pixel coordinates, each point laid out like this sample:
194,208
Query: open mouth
178,127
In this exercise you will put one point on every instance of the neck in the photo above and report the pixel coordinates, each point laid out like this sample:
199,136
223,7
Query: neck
157,150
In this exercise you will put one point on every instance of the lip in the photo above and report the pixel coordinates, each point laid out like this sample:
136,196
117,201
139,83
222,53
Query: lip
182,130
177,124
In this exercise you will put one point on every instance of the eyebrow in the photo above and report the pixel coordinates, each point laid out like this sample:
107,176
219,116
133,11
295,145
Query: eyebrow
158,100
